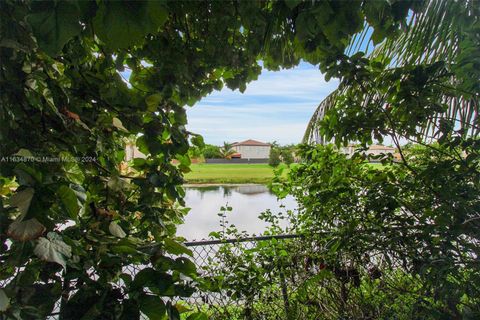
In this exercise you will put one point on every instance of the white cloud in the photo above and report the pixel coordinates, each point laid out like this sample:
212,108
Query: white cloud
275,107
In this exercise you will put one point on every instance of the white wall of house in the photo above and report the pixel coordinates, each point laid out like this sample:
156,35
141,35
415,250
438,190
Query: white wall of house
374,150
377,152
253,152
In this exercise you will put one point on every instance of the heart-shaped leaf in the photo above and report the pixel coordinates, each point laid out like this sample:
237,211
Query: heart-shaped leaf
153,307
25,230
53,249
22,200
116,230
69,200
54,24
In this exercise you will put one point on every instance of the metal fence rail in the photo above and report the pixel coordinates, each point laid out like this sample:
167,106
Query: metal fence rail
251,287
272,277
285,277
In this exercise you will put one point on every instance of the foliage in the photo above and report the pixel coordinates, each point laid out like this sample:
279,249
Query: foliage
422,213
417,83
226,150
419,216
274,157
376,242
211,151
286,153
65,110
295,278
207,151
281,154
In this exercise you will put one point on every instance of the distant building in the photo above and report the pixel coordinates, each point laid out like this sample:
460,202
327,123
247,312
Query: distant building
251,149
373,150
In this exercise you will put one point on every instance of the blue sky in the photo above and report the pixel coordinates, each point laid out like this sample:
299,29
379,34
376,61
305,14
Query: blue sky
276,107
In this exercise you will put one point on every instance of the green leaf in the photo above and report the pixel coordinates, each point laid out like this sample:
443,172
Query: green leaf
124,249
197,316
53,249
292,3
153,101
24,153
172,312
198,141
69,201
4,301
130,310
152,306
215,235
185,266
182,308
54,24
144,278
116,183
72,170
117,123
174,247
124,24
116,230
158,282
25,230
22,200
29,276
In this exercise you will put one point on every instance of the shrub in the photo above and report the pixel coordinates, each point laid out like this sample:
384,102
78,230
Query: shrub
274,158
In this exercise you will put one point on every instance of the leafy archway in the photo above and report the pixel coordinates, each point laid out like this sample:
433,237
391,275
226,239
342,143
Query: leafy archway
65,111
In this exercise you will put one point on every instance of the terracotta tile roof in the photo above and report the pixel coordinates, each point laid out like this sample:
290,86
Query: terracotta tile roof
250,142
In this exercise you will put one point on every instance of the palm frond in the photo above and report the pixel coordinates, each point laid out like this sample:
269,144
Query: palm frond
432,34
312,133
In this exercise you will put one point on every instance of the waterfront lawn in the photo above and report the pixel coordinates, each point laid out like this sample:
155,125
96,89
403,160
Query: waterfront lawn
229,173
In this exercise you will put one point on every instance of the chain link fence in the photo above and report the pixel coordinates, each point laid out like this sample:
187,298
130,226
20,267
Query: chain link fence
284,277
249,281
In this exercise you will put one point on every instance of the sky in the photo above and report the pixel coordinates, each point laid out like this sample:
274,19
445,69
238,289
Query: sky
276,107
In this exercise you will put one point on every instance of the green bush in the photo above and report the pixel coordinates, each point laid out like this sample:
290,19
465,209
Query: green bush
286,155
211,152
274,157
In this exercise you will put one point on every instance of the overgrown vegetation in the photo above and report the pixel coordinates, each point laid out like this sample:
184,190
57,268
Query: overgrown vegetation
71,222
281,154
369,243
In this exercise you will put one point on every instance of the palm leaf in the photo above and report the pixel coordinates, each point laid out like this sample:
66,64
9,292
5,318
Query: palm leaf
432,35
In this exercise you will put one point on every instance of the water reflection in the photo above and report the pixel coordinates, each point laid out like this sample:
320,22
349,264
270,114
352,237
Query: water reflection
247,201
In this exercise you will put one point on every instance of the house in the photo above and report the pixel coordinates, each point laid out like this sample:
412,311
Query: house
252,149
374,150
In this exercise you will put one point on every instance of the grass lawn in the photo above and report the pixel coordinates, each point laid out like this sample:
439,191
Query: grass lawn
229,173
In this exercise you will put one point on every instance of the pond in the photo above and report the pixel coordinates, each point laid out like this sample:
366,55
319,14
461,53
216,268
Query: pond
247,202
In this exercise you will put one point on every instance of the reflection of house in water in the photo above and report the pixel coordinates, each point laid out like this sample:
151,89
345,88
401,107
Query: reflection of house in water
205,189
226,190
251,189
